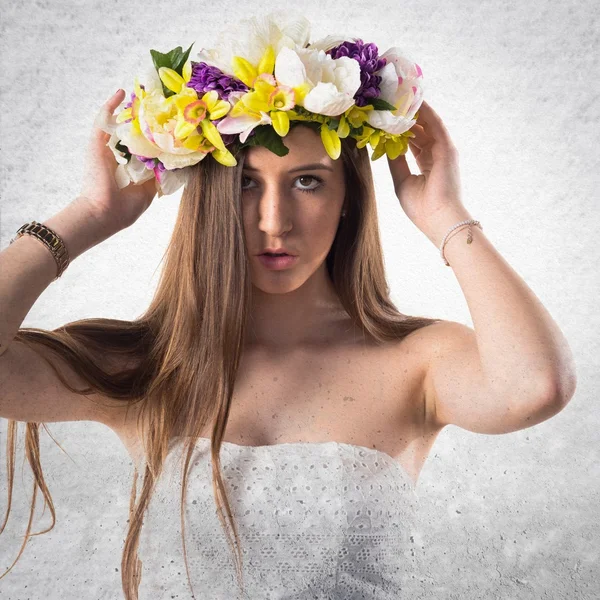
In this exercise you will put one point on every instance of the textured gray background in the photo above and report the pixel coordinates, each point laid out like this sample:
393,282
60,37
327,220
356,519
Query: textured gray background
512,516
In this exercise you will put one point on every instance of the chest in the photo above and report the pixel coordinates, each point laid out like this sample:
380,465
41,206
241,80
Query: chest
359,394
364,395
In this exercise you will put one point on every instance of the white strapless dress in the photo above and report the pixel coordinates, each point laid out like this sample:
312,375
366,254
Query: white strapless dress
316,521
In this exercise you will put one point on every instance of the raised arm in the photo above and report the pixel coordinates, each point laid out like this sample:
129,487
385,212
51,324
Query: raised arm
515,368
29,388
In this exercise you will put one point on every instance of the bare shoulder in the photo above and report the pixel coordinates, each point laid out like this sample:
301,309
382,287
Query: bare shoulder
431,344
442,335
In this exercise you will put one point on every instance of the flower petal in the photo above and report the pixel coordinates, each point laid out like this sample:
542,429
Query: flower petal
233,125
343,129
212,133
326,99
172,79
331,141
267,62
389,82
407,96
330,41
281,122
289,68
389,122
347,74
171,181
224,157
244,70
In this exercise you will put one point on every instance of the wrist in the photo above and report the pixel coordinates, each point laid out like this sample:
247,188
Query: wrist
438,224
79,227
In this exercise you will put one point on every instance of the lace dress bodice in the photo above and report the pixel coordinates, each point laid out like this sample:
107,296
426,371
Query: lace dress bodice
316,521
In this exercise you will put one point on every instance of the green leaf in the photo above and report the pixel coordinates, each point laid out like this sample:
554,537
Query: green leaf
265,135
379,104
175,59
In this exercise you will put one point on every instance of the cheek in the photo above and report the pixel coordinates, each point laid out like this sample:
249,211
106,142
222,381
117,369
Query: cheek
320,233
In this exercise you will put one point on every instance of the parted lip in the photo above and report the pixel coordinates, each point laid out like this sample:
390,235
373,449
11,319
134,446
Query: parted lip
276,251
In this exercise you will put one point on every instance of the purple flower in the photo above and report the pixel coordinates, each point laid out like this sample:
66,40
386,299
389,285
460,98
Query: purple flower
153,164
206,78
367,56
228,138
149,162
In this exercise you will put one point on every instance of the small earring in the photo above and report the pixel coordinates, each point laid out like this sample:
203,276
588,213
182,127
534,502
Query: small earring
343,213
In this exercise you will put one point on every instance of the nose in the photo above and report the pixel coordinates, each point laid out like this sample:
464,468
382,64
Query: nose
275,211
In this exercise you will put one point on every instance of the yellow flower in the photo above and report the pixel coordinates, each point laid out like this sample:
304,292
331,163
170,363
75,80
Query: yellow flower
357,115
131,113
282,98
363,139
173,80
331,141
266,101
390,144
267,62
280,122
178,130
246,72
224,157
343,129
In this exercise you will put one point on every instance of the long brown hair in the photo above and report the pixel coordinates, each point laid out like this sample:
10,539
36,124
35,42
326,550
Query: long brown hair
179,360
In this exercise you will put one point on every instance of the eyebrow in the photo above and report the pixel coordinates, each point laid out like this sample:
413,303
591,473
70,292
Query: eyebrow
301,168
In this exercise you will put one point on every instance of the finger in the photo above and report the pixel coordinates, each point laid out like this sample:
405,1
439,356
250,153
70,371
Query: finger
115,100
415,149
433,124
104,123
399,169
420,139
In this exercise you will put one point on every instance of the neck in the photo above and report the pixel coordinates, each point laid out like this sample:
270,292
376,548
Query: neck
293,318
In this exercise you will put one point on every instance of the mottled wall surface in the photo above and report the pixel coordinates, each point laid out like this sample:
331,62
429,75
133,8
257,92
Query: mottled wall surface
506,517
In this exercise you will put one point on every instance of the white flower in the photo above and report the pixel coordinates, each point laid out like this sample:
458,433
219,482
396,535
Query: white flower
331,41
136,172
151,135
243,124
249,38
401,85
333,81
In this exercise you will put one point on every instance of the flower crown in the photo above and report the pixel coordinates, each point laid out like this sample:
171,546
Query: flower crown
264,81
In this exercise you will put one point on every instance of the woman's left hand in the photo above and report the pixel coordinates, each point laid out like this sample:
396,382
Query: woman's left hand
433,198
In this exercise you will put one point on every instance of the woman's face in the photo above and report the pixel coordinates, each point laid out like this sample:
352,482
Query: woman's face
287,204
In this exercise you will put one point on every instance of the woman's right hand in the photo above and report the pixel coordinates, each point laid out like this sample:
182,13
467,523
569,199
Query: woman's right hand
116,208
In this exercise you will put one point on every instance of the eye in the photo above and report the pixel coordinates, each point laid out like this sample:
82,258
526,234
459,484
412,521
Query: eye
244,177
314,178
302,189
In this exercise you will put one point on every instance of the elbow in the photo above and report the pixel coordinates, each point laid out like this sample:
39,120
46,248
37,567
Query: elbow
558,389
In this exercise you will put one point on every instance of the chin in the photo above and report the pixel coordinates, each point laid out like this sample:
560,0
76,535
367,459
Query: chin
278,282
276,287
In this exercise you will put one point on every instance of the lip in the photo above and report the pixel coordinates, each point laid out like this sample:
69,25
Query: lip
277,263
276,251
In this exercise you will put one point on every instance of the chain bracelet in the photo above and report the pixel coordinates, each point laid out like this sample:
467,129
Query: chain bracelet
50,239
468,222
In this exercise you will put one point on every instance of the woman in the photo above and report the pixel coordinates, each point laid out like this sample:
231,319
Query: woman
297,378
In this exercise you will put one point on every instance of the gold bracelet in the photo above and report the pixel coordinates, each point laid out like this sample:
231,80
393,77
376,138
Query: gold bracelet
52,241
